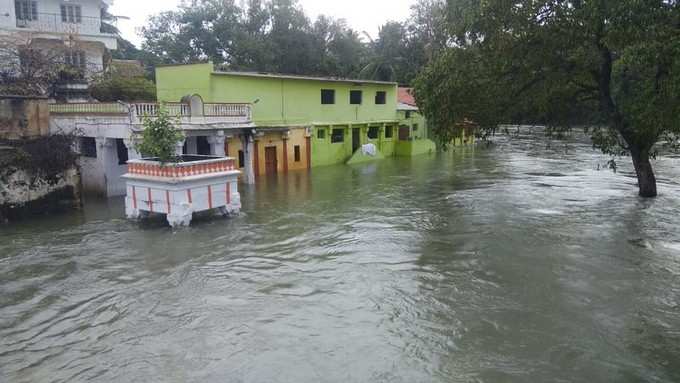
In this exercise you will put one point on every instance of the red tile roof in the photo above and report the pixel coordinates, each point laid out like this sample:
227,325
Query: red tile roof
405,96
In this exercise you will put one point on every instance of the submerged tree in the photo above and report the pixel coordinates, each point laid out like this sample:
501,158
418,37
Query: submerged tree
610,65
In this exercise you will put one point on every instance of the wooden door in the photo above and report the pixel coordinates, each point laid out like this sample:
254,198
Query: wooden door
270,159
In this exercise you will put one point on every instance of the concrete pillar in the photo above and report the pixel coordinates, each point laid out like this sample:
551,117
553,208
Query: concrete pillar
192,146
133,154
248,151
180,147
107,160
217,144
284,137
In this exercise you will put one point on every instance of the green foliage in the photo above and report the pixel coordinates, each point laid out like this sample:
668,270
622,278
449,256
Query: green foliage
277,36
46,157
610,65
160,137
113,88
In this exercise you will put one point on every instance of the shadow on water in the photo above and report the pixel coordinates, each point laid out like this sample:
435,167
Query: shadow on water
520,262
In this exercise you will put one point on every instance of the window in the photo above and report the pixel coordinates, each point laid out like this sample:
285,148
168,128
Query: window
388,132
76,59
296,150
26,9
373,132
241,159
338,135
71,13
380,97
408,114
88,147
415,127
122,151
355,97
321,134
327,96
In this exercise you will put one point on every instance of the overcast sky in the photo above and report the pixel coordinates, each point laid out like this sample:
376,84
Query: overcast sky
362,15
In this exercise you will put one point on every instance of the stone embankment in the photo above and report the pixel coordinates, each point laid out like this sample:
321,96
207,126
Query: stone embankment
23,193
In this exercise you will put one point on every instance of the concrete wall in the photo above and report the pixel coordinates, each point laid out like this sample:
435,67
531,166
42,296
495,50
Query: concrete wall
20,118
22,193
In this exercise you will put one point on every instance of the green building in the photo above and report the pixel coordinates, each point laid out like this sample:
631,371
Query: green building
327,119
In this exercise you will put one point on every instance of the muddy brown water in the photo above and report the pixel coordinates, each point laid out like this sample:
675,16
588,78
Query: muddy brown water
517,263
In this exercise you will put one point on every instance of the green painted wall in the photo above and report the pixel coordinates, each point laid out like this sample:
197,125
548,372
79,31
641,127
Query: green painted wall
416,123
176,81
281,100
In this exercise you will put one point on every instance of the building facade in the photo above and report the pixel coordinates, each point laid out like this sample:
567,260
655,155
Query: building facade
69,33
301,121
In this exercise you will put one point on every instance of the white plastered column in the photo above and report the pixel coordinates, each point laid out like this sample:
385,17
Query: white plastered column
217,144
107,159
179,147
248,152
131,145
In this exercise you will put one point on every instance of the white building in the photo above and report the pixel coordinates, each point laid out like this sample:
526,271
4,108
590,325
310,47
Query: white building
108,131
73,28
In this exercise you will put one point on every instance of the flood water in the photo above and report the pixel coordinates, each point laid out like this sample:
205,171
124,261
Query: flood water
517,263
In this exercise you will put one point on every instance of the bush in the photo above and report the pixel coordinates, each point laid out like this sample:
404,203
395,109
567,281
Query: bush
115,88
160,137
47,156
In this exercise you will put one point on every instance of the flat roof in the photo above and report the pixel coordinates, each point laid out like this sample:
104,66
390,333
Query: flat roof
299,77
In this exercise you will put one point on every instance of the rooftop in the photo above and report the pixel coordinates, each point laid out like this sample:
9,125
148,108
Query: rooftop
300,77
405,96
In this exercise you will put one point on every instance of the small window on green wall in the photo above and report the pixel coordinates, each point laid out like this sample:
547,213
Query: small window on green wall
327,96
373,132
355,97
388,132
321,134
338,135
415,127
380,97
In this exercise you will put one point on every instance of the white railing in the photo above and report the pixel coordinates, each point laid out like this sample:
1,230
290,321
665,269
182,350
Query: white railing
51,22
213,111
88,108
226,110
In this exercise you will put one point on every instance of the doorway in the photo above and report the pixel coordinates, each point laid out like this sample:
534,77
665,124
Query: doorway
404,133
270,162
356,139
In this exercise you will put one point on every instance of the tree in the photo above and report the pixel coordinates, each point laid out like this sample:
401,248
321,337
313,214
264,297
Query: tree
388,54
610,65
30,69
260,35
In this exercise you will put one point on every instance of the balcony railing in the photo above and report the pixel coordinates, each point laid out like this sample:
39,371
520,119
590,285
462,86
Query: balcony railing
52,22
210,112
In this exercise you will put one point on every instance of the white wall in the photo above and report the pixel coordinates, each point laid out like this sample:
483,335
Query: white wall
90,8
7,7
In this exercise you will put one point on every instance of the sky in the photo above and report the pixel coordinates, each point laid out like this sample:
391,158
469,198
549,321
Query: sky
361,15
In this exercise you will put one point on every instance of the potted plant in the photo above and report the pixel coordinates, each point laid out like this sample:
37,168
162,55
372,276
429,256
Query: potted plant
177,185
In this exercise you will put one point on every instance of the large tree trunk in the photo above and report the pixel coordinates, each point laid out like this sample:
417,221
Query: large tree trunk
645,173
